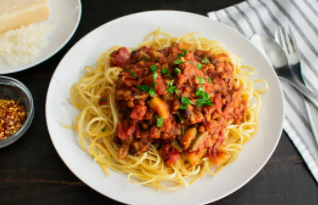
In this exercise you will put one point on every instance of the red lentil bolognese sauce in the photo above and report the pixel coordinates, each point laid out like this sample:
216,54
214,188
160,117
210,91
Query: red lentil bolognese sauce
178,98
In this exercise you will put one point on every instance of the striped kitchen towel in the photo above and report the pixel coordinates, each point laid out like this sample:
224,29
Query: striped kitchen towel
261,17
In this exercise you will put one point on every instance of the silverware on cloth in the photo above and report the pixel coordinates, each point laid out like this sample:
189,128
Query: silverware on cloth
288,42
279,61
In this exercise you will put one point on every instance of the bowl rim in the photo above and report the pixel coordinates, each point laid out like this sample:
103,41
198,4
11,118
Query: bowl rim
11,139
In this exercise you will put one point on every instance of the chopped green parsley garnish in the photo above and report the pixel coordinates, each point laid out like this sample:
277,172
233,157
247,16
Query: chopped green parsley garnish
209,79
186,101
205,61
147,88
184,106
184,52
103,129
133,74
183,130
152,91
201,102
199,66
104,99
144,88
153,68
172,89
199,92
177,70
159,121
164,71
154,77
205,99
202,81
177,62
171,83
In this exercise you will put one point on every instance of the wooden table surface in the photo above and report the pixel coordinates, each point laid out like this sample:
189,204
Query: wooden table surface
31,172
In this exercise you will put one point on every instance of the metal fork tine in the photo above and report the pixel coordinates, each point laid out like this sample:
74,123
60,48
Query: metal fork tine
283,36
289,42
277,36
293,40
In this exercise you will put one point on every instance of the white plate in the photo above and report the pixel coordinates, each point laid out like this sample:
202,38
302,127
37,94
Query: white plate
66,14
130,31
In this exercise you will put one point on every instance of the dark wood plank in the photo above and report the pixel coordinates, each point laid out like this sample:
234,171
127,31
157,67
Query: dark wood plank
31,172
285,153
280,184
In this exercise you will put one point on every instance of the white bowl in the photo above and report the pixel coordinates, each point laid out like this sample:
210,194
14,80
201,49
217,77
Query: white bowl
66,15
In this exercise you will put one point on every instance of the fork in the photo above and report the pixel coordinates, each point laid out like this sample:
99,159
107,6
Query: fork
288,42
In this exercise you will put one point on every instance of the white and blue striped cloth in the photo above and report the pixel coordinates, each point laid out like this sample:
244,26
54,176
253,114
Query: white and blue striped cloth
261,17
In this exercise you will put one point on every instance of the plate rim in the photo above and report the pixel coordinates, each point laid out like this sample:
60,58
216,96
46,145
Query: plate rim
231,191
22,68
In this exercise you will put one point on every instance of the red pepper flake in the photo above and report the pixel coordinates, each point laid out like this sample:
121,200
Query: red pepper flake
12,117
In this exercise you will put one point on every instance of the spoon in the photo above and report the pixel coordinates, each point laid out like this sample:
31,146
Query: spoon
277,57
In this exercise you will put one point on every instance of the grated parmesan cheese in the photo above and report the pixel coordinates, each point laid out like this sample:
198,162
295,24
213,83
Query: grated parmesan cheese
23,45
